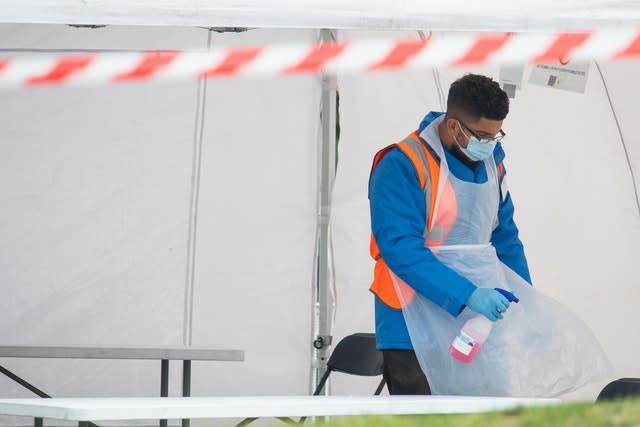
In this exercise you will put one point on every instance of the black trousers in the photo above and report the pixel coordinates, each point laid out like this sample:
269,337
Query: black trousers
403,374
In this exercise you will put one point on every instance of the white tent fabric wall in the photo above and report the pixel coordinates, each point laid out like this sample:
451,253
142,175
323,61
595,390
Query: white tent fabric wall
569,178
96,186
256,233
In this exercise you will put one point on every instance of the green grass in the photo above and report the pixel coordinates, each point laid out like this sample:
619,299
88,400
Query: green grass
624,412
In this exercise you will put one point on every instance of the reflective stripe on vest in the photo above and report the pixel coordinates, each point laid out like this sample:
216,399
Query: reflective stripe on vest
428,172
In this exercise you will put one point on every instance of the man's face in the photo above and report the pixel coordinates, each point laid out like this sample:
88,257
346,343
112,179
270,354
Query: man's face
484,130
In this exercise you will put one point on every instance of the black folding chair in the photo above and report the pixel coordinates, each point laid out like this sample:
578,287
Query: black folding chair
621,388
355,354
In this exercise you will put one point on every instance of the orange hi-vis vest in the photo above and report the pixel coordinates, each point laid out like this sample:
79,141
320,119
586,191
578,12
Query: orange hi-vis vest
428,172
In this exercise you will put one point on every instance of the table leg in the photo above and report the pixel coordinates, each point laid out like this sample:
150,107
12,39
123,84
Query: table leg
37,421
186,384
164,384
23,383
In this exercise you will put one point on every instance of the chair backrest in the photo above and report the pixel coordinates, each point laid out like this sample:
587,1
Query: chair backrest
623,387
356,354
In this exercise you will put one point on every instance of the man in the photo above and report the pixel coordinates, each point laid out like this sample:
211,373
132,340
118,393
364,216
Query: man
402,195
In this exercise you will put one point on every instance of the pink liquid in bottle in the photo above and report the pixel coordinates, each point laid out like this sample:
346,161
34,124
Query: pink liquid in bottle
469,340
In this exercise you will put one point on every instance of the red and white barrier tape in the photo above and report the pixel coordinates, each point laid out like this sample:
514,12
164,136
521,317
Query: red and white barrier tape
357,56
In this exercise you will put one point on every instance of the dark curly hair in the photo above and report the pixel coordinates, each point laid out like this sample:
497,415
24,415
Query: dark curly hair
473,97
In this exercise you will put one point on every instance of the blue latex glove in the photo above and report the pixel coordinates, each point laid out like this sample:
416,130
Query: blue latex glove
488,302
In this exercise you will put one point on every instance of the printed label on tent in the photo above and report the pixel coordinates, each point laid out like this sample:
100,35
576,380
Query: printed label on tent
566,77
511,78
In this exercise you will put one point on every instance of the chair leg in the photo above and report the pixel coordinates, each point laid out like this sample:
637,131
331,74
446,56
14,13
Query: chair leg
323,380
318,389
380,387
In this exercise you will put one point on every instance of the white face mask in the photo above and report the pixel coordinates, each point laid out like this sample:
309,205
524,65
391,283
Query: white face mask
477,150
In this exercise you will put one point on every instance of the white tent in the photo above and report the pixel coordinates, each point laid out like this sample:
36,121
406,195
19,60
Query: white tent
189,212
488,15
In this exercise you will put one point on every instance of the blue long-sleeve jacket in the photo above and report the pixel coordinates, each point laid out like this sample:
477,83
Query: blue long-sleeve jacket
397,207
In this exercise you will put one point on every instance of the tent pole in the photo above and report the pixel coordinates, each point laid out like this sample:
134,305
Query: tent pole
201,104
323,280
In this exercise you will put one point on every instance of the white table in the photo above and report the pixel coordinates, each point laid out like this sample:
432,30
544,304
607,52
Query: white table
134,408
162,353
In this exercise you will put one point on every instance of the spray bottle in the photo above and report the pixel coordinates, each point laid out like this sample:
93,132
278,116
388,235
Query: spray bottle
474,333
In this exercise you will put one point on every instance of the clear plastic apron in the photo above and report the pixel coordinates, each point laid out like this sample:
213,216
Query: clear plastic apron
539,349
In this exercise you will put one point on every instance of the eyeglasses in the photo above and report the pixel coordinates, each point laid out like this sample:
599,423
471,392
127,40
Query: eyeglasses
495,139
